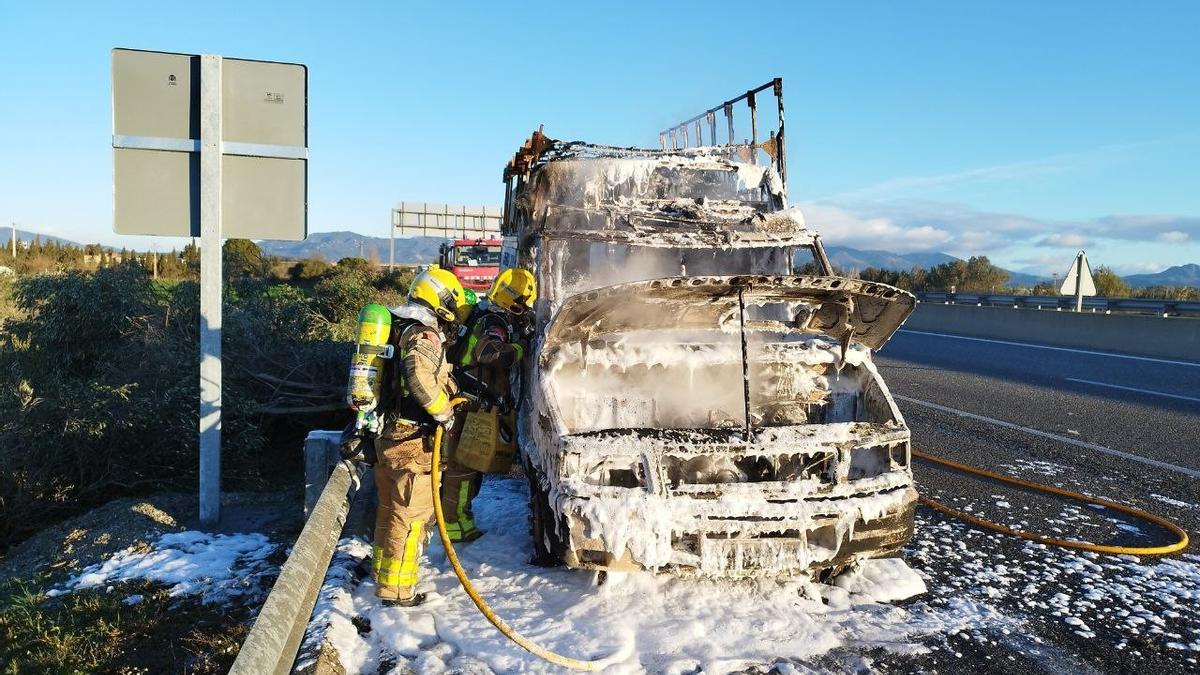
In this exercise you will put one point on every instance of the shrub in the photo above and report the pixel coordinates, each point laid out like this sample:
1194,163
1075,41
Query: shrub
91,397
99,387
397,280
308,270
342,293
99,382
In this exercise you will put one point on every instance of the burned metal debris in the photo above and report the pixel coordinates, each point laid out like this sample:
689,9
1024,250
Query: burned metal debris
694,403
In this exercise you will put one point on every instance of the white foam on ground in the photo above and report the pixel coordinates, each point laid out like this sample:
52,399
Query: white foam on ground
1124,600
654,623
1173,502
217,567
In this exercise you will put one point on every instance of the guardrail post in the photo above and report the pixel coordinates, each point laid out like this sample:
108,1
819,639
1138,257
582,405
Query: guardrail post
320,456
274,640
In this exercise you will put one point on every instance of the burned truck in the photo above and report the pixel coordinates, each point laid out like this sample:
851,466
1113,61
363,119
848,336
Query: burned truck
700,394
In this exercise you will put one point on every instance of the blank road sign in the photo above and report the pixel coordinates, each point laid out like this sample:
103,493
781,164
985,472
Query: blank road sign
263,198
156,105
156,146
265,132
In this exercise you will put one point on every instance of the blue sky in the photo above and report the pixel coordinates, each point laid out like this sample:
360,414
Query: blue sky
1022,131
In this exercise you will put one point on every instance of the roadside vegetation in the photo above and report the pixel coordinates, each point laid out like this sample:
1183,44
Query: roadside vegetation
98,400
98,375
96,631
979,275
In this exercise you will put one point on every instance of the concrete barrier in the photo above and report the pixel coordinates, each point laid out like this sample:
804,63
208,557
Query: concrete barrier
1160,337
271,646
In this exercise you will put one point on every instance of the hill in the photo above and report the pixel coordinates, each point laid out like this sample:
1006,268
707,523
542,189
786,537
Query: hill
27,236
1179,275
333,246
859,259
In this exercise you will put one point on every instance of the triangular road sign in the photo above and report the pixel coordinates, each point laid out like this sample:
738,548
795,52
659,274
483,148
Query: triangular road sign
1088,286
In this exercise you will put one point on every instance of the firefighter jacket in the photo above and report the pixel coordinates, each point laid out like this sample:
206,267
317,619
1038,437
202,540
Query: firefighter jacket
487,346
420,383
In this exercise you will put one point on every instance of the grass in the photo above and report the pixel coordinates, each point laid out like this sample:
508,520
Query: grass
94,631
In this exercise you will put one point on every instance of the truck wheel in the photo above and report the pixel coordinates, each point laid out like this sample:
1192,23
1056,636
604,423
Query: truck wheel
547,550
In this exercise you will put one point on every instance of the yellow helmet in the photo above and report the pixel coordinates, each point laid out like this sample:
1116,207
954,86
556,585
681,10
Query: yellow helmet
439,290
514,290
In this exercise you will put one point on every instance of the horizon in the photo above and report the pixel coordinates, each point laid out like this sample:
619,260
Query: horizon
1023,133
273,245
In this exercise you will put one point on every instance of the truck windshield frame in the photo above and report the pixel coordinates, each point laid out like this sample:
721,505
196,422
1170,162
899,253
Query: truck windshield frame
477,256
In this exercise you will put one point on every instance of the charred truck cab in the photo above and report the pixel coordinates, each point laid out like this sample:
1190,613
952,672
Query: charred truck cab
694,402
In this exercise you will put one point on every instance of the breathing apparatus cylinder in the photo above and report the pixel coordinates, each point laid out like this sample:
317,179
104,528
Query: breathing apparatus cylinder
366,368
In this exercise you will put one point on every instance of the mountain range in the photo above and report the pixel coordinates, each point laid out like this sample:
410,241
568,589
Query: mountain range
333,246
26,236
859,259
1179,275
846,258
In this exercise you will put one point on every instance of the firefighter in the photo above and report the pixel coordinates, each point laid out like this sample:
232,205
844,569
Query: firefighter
490,342
417,388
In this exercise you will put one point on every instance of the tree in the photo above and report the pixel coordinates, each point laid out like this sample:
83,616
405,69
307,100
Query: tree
191,258
243,258
918,279
947,277
880,276
982,276
912,280
1109,284
171,266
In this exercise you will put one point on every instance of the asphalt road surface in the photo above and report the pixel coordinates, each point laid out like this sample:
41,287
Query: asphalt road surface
1116,426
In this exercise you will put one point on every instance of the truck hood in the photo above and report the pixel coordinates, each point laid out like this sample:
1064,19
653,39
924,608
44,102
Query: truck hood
867,313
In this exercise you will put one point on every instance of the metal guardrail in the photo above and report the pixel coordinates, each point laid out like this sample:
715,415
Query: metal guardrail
1189,308
274,640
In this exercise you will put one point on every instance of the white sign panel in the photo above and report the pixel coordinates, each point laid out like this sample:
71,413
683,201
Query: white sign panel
1087,285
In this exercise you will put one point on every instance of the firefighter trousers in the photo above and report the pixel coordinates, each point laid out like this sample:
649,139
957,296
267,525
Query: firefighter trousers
459,487
405,513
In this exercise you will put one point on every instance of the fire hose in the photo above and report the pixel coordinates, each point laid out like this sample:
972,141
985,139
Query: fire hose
595,665
1179,545
486,610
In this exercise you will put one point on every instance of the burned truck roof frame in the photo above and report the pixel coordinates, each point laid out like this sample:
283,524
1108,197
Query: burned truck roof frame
692,404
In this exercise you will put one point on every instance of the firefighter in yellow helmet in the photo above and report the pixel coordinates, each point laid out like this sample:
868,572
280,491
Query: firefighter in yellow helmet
491,341
416,398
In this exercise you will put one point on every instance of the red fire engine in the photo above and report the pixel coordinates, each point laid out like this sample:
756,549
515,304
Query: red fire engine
475,262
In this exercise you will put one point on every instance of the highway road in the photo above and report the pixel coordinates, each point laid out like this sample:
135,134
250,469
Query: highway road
1111,425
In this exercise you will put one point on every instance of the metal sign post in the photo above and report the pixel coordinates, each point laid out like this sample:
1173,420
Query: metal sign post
210,289
210,147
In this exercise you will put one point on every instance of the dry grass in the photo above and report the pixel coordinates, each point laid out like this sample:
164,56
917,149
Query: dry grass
96,632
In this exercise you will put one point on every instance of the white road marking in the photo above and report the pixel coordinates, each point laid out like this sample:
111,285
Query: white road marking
1140,391
1062,439
1031,345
